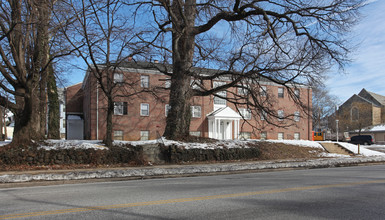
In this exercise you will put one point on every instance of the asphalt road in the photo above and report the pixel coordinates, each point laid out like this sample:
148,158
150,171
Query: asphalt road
332,193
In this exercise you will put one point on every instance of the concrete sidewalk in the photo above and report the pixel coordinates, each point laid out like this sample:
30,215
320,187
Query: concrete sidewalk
179,170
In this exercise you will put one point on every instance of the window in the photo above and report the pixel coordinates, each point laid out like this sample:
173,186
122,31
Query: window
245,135
118,78
281,115
120,108
144,109
167,83
194,84
296,92
167,108
144,81
296,136
218,100
195,111
280,136
355,114
242,91
263,91
263,135
263,115
280,92
144,135
195,133
118,135
296,116
246,113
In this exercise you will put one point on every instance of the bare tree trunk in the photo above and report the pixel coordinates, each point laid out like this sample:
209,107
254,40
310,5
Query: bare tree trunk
183,43
27,121
53,106
110,111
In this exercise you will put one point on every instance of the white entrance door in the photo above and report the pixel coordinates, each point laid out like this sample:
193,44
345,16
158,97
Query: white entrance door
225,130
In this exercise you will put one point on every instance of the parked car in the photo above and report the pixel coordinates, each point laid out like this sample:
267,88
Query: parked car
362,139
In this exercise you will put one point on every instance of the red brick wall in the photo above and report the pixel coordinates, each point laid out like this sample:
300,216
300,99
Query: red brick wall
74,98
132,123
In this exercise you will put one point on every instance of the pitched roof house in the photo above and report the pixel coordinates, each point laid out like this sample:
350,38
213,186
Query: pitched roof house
362,110
143,116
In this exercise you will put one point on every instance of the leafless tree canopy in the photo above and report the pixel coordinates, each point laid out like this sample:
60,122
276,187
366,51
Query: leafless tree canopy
285,42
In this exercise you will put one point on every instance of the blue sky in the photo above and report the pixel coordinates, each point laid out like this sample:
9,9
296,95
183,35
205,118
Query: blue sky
367,69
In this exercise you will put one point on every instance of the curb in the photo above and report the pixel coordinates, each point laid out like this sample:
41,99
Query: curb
183,170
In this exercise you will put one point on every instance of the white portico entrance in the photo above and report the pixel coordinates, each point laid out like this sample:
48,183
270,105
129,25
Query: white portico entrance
224,124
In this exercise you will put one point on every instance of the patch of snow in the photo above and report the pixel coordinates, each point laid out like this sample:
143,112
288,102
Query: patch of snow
363,150
378,128
325,154
68,144
303,143
3,143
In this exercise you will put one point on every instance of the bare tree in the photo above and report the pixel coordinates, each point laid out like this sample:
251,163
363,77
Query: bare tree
285,42
102,37
356,116
24,49
323,105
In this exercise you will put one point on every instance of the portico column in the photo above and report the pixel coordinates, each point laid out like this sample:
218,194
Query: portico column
236,129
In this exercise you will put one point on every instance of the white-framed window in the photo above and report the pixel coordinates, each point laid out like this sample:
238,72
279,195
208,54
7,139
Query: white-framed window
242,91
194,84
196,111
246,113
296,136
245,135
297,93
118,135
144,109
167,108
144,81
118,78
167,83
144,135
263,115
120,108
195,133
280,135
296,116
263,135
281,115
263,91
218,100
280,92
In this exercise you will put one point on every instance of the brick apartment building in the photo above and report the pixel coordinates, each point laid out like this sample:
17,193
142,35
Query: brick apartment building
143,116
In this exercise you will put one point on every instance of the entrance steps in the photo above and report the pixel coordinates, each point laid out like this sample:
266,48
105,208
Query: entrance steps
335,148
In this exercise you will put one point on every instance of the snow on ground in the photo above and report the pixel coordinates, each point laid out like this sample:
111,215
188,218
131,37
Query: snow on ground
67,144
192,145
2,143
303,143
363,150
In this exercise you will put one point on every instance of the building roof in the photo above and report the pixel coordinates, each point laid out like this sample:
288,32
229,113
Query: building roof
377,97
224,112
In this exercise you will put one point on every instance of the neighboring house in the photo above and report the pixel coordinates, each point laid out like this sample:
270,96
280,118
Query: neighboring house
143,116
362,110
